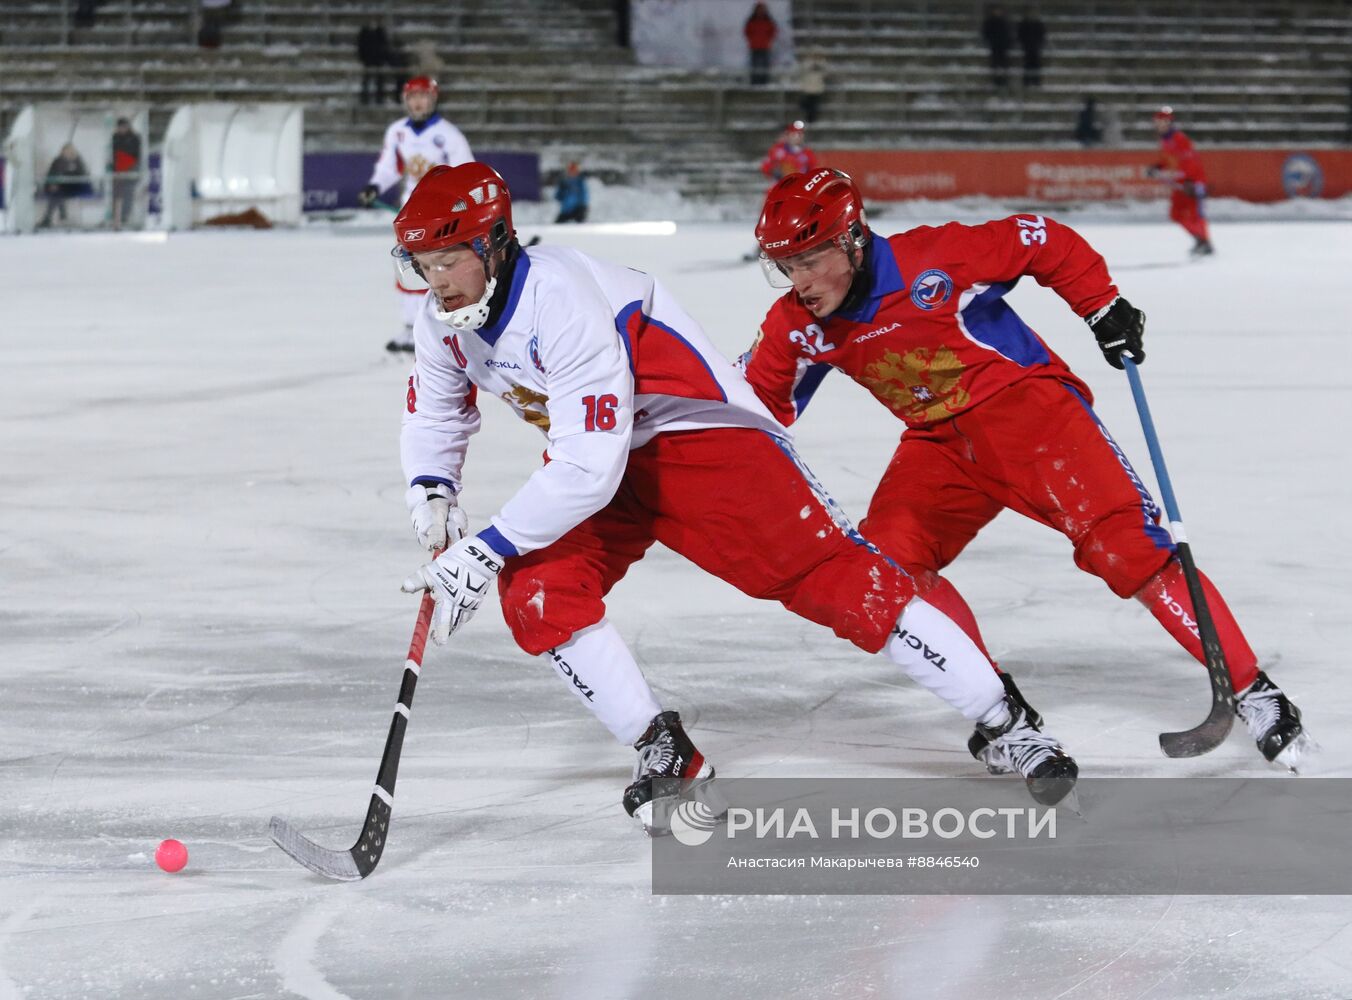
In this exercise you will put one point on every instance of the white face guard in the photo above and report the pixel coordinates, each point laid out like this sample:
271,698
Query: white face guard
473,316
470,317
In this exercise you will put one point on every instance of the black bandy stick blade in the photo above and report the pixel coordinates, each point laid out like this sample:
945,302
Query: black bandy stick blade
1203,738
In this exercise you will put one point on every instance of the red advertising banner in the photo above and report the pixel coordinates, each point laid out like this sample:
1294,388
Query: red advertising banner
1088,175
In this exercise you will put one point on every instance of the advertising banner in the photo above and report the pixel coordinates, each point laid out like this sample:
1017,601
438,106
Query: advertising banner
1255,175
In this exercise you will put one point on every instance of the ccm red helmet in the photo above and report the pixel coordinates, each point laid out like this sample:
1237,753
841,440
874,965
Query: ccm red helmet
456,205
421,85
803,211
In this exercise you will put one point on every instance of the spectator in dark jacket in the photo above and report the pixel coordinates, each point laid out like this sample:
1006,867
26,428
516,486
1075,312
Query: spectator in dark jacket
760,31
373,49
126,169
67,177
1032,37
995,29
571,194
1088,132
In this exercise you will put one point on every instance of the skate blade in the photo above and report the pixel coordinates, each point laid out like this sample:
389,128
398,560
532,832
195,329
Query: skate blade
1071,802
701,801
1300,756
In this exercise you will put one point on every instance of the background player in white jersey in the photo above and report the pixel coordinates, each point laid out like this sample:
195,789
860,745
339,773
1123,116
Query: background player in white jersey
652,436
413,146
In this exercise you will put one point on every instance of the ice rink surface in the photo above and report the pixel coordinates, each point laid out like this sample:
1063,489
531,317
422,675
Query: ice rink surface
201,544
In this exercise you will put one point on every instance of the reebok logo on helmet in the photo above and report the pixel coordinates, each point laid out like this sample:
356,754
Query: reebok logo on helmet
414,234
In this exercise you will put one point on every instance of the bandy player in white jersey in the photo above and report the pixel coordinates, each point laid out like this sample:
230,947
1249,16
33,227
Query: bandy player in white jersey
651,436
413,146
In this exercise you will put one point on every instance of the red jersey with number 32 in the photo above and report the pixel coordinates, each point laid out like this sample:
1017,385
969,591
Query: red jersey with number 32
933,336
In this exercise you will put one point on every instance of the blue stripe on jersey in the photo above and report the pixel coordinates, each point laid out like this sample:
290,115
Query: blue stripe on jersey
807,385
417,129
622,328
881,264
490,332
990,321
496,541
622,321
1150,510
433,481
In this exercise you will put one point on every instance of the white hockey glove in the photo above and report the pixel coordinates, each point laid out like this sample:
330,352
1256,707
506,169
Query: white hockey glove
460,578
437,520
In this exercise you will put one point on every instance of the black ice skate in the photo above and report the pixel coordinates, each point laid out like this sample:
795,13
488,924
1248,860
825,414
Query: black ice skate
1202,248
403,342
1274,723
1020,747
668,765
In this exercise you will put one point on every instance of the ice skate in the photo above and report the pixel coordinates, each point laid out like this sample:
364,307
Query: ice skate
1202,248
668,766
1018,746
1274,723
403,342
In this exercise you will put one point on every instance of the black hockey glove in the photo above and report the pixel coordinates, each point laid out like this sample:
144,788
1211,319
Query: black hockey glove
367,195
1119,326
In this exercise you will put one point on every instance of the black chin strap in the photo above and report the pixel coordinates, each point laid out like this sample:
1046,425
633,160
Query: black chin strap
861,284
512,253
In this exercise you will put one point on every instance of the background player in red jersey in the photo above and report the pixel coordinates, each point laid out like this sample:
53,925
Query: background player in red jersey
994,418
1181,168
790,154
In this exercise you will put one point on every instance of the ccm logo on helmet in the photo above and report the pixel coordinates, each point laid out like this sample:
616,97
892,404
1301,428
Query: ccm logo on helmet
820,177
414,234
776,243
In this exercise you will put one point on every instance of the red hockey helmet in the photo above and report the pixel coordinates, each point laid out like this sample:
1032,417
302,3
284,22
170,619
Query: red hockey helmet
421,85
803,211
468,204
1164,114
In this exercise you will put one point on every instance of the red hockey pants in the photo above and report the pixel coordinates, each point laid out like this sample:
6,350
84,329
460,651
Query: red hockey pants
737,503
1038,448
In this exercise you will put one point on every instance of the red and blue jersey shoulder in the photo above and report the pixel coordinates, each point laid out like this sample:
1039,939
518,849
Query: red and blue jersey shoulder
932,334
1180,155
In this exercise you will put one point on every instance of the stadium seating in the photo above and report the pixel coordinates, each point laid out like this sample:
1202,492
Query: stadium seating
548,76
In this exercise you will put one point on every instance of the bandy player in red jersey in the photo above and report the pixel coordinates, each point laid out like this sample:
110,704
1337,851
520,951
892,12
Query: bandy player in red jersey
994,419
413,146
1181,168
790,154
651,436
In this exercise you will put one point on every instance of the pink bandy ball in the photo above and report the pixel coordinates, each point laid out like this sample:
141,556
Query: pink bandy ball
171,855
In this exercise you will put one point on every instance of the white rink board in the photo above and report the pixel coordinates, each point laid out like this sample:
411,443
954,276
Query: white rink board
202,539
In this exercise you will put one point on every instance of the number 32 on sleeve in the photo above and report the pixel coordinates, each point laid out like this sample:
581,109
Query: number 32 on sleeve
600,412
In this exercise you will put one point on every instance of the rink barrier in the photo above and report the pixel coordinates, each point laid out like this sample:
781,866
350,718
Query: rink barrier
1072,175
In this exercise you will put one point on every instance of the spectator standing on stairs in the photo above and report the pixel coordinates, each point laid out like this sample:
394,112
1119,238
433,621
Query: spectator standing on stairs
373,49
995,29
811,86
214,13
760,31
1032,37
